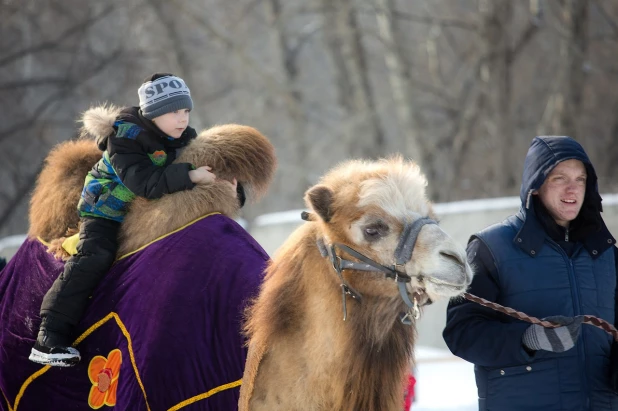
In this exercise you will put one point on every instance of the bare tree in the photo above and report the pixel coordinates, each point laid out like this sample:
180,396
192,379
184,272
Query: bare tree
461,87
44,70
564,104
288,47
495,79
167,14
399,80
365,135
573,52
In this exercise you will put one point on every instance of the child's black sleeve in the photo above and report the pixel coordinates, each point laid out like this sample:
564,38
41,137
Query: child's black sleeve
140,175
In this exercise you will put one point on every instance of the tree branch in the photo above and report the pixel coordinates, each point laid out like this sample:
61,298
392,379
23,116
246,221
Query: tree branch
22,193
33,82
61,94
50,44
439,21
526,37
612,24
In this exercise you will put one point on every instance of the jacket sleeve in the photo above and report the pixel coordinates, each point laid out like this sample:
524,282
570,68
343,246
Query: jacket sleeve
613,375
616,291
479,334
140,175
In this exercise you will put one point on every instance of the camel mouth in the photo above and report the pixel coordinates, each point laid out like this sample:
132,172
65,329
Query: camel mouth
447,286
448,282
437,288
439,291
436,280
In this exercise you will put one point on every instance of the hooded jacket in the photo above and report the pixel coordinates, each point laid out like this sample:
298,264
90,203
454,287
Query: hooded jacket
137,161
529,264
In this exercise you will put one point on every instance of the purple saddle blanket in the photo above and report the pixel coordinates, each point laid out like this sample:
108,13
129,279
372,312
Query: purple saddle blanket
162,330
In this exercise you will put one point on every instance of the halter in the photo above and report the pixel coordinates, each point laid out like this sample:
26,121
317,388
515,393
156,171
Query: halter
403,254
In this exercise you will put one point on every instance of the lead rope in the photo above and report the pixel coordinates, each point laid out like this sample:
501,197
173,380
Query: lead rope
588,319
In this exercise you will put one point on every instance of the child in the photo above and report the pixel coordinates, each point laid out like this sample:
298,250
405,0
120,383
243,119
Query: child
137,161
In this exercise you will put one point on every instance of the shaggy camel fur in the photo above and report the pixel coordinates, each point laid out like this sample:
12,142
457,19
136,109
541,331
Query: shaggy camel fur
302,355
53,206
232,150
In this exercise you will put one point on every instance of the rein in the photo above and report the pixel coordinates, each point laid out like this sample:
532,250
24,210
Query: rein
588,319
403,254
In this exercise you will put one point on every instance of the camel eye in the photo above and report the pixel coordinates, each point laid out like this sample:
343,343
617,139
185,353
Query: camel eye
374,232
371,232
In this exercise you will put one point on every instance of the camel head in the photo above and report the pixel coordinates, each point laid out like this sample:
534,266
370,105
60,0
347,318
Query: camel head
370,207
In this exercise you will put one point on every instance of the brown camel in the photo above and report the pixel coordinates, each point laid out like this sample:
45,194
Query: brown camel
163,328
302,354
232,150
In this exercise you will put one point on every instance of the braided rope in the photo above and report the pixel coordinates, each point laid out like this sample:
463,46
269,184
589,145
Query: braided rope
588,319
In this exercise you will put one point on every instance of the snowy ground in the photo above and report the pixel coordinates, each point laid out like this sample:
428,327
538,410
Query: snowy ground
437,372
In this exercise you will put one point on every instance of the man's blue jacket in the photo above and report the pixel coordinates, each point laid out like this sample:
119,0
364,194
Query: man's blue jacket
531,264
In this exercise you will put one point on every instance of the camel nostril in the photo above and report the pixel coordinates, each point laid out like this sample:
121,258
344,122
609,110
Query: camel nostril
452,257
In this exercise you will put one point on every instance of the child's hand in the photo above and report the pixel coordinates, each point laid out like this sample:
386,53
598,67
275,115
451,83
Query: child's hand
202,175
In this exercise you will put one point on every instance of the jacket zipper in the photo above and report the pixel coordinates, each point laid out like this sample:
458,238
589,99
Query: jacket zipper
528,198
576,311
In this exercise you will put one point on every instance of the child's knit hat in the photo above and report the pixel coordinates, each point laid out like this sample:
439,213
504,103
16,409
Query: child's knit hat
163,93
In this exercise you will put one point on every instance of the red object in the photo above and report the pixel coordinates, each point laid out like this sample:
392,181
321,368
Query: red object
409,393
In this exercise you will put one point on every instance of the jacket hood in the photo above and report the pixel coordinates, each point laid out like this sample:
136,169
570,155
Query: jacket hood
99,121
544,154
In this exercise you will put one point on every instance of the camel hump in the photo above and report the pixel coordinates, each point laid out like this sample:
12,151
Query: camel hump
99,121
235,150
53,206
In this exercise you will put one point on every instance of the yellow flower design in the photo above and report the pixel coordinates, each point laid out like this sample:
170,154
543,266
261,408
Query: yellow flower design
103,373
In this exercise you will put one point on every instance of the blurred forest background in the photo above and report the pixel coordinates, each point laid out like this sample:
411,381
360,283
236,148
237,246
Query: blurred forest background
460,86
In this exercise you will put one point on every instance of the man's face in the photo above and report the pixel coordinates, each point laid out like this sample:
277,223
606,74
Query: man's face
563,191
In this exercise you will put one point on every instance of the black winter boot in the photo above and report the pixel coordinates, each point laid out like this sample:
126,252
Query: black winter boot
53,348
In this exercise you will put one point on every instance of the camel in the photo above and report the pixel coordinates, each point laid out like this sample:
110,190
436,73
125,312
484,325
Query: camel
163,329
333,325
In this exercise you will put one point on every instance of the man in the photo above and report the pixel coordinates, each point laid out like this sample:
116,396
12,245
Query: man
556,260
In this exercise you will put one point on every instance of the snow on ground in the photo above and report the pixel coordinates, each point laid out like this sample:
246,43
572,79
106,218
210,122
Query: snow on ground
438,372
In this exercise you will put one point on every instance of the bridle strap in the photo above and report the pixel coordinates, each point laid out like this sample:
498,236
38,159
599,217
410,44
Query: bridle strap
403,253
369,265
413,306
346,289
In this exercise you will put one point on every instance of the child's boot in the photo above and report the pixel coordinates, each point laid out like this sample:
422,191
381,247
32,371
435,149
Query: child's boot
53,345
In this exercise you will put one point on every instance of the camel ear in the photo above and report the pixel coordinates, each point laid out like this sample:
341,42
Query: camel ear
320,199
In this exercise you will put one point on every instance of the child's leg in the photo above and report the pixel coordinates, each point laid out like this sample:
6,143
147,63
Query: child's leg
67,299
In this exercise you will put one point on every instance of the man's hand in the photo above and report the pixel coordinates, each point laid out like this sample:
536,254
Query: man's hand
201,175
558,339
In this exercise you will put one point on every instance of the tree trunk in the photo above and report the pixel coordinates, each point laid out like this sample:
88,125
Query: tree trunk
365,136
398,76
573,55
169,20
495,76
293,166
